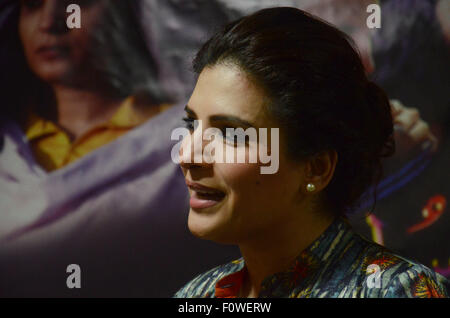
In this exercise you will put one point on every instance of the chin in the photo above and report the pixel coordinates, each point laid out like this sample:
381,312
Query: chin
206,229
52,73
199,228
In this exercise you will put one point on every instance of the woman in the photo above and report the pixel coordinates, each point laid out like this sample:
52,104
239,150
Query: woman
282,68
84,87
85,170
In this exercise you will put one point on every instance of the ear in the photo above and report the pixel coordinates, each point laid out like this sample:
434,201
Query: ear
319,170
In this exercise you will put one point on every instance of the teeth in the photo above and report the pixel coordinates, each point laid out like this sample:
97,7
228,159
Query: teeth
204,191
207,192
211,193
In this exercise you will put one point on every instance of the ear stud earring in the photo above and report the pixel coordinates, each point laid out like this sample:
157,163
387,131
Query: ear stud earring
310,187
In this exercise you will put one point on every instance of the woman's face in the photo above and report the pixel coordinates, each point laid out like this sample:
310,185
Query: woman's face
54,52
249,204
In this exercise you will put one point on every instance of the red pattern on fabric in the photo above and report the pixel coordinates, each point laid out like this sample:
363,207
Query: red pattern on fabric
230,285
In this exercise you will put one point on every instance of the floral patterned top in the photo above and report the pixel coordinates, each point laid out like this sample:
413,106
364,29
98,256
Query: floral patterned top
340,263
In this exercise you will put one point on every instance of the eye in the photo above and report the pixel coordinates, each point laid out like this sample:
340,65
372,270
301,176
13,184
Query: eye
189,123
232,137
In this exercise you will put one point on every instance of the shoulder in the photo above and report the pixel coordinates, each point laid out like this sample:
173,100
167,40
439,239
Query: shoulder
389,275
417,281
204,284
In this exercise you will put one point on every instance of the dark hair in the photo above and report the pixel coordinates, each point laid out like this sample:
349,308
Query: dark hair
318,92
120,55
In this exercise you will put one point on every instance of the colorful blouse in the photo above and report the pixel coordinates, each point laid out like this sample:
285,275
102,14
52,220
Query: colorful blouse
340,263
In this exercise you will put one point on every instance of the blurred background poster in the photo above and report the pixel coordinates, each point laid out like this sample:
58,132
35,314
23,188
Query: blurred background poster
86,175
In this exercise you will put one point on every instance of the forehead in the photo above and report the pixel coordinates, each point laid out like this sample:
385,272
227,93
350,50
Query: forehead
225,89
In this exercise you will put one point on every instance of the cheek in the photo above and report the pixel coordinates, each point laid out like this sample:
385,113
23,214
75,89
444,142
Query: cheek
256,201
248,186
251,190
27,24
245,190
260,195
81,45
241,178
82,39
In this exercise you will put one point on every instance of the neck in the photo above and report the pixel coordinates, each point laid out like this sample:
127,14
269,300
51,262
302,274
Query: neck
80,110
272,253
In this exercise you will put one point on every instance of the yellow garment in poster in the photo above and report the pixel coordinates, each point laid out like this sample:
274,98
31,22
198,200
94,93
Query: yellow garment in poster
53,148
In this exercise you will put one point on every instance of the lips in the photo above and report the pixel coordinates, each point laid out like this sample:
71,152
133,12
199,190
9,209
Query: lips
204,197
52,51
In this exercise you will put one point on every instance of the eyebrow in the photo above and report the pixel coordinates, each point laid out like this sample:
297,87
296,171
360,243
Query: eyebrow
222,118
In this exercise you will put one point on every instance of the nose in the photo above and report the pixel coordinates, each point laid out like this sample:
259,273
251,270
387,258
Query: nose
53,17
191,151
